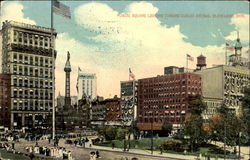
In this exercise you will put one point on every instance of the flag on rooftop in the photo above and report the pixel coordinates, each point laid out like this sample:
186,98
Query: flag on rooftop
229,47
248,51
131,74
190,58
61,9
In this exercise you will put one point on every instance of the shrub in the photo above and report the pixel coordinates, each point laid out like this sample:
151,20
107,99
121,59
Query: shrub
173,145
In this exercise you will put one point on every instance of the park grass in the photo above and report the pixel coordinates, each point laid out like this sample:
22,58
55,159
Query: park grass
145,144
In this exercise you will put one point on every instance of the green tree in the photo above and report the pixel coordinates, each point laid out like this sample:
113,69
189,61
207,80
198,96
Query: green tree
230,126
134,130
110,133
121,132
193,125
166,129
246,110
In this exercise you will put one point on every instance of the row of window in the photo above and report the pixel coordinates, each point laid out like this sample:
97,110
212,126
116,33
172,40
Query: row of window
32,83
31,105
161,107
32,60
235,75
161,120
32,71
169,83
32,39
32,94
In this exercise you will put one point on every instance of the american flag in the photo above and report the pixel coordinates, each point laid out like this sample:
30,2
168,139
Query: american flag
131,74
61,9
229,47
190,58
248,51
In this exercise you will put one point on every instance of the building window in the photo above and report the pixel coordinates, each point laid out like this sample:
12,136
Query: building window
20,58
41,61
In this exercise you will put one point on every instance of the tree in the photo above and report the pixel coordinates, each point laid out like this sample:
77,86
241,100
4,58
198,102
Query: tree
193,125
134,130
110,133
228,127
166,129
121,132
246,110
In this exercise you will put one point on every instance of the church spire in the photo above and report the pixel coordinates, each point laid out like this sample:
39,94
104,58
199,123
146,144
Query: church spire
238,45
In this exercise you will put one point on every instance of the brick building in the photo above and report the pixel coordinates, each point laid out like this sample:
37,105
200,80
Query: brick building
5,100
163,99
113,109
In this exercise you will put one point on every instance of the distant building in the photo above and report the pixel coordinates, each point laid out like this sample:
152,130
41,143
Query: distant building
27,57
98,107
113,111
170,70
87,84
5,95
164,99
84,106
223,84
129,101
60,100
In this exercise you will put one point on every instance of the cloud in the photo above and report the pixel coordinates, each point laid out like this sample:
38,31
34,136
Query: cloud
241,24
136,38
14,11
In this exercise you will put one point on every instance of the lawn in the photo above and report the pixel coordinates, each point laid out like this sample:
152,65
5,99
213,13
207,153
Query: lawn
145,144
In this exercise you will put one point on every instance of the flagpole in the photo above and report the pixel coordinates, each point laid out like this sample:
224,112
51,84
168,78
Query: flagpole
226,55
53,72
129,74
187,63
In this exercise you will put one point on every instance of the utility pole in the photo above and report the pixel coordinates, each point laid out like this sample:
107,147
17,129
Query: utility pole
53,72
225,139
152,140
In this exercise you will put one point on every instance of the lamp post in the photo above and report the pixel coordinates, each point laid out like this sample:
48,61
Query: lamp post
152,139
239,144
186,138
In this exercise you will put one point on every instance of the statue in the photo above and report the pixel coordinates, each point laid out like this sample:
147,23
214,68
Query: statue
68,56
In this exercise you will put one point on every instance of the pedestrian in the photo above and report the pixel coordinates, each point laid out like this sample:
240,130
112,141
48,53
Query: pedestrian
31,156
13,145
97,154
161,149
49,140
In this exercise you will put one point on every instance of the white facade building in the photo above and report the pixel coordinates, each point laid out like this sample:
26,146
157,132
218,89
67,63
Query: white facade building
87,85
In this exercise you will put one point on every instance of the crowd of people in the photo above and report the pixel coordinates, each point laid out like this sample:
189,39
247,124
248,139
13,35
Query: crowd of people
57,152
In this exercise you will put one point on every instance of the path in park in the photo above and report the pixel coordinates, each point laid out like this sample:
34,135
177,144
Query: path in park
107,153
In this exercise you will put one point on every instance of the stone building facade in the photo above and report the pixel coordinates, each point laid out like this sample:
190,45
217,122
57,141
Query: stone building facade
27,57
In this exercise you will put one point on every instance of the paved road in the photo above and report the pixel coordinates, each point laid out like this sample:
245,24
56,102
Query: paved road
107,153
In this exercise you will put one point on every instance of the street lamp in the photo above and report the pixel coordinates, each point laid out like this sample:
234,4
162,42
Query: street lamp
152,139
239,144
186,138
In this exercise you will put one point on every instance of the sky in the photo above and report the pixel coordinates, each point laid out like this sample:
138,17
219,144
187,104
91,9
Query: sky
109,37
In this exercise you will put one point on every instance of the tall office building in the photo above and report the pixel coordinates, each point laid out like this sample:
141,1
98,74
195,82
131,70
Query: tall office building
86,85
27,58
128,101
225,83
164,99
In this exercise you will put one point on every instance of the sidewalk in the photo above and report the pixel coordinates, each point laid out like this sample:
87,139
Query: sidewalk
147,153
